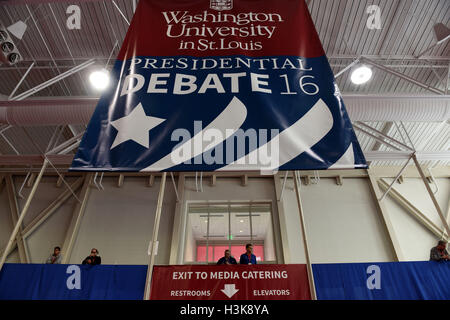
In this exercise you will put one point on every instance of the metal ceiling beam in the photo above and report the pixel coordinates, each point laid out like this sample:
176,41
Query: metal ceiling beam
402,76
21,80
54,80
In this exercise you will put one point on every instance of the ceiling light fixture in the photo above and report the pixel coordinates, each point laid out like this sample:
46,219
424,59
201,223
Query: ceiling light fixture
18,29
99,79
361,75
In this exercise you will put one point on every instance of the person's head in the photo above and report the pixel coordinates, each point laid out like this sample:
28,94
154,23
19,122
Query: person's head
249,248
227,253
442,244
56,251
94,252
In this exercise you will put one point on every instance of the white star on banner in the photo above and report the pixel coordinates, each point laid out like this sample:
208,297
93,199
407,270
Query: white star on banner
135,126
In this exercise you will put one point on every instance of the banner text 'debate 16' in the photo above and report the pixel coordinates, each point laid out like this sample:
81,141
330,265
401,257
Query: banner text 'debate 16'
220,85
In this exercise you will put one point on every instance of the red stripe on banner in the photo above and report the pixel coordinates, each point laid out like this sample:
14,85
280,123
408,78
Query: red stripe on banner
231,282
250,27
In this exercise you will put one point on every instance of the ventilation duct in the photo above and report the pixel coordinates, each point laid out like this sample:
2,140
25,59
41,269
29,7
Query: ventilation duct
47,112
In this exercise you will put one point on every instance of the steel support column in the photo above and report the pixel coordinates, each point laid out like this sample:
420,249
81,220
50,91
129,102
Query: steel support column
411,209
77,216
381,208
433,198
312,287
14,209
50,209
176,256
22,214
154,242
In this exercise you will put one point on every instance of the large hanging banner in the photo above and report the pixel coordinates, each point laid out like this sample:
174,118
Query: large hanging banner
231,282
220,85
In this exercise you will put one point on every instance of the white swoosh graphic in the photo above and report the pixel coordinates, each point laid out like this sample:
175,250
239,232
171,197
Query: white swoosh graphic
293,141
347,161
228,122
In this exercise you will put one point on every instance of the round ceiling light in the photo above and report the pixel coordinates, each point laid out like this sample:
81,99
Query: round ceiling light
99,79
7,47
13,58
3,35
361,75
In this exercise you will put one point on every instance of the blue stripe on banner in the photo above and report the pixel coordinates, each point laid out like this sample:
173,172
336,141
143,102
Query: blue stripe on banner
423,280
72,282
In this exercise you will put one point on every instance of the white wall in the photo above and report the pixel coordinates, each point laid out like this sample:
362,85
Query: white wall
342,223
119,222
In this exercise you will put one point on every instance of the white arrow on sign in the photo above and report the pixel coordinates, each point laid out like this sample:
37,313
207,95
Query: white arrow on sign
229,290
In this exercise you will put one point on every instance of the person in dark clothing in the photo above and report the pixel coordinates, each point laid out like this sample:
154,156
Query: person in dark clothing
227,259
439,253
248,257
93,258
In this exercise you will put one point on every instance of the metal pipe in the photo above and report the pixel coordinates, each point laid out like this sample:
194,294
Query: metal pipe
207,236
402,76
22,214
430,192
346,68
23,184
395,179
9,143
174,186
67,45
95,180
386,136
250,221
196,183
78,212
59,149
121,13
148,281
100,181
312,287
201,181
47,83
20,81
284,185
400,132
407,135
376,138
46,46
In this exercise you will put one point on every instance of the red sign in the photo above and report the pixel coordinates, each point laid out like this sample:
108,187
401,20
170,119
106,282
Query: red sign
235,282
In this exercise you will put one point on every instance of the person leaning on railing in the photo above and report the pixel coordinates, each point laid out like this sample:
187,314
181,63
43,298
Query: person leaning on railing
93,258
56,257
439,253
227,258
